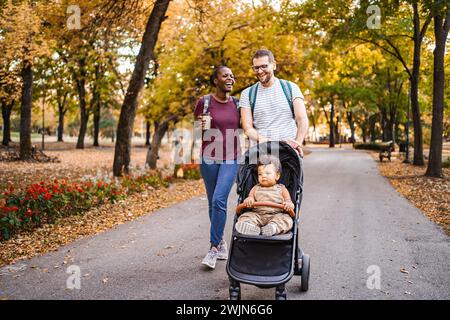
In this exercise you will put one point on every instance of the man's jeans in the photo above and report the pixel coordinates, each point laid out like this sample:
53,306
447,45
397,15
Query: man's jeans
218,177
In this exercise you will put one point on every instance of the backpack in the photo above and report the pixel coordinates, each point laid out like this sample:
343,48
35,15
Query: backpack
207,99
287,90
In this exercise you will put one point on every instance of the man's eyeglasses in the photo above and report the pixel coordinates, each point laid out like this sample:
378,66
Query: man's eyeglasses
262,67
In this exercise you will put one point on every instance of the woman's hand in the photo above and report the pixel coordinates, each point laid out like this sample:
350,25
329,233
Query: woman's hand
249,201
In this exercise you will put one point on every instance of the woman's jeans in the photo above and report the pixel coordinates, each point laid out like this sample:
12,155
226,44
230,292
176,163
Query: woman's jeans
219,177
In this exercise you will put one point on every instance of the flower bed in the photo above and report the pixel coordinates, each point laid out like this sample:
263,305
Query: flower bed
44,202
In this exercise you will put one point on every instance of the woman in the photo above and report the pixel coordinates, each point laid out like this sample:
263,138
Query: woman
219,153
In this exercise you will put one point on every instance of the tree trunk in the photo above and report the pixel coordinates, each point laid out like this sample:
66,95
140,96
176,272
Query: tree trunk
397,130
160,131
25,112
96,123
372,130
128,110
84,114
147,133
96,105
6,115
385,125
418,138
61,113
337,134
331,123
435,156
364,133
351,123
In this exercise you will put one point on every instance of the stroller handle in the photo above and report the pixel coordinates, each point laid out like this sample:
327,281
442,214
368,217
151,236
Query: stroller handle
242,206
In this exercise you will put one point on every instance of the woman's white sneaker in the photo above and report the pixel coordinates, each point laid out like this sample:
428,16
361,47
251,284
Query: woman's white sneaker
222,250
211,258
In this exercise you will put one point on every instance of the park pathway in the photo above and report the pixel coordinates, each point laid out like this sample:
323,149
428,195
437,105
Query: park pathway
352,221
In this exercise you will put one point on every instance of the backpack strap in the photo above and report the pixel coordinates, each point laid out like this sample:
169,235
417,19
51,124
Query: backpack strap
236,101
287,89
252,96
206,100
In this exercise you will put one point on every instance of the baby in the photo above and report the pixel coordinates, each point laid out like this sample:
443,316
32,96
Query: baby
263,220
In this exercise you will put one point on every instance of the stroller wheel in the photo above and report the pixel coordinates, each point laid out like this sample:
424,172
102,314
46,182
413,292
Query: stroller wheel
281,293
305,273
235,291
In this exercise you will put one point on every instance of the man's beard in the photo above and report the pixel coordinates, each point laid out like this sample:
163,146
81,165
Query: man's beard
267,79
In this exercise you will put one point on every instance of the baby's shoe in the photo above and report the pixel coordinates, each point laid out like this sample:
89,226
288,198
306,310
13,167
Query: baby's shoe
247,228
269,229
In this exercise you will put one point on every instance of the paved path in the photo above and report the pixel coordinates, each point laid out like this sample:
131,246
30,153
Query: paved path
351,219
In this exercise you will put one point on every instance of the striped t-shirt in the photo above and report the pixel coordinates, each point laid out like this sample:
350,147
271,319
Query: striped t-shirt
272,116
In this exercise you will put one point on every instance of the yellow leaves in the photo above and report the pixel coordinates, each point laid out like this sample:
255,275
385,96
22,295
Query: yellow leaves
403,270
430,195
23,39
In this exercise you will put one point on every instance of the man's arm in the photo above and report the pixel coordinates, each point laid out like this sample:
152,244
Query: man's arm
247,125
301,117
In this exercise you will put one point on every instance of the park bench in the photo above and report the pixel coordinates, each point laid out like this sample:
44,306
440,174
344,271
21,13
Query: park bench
385,150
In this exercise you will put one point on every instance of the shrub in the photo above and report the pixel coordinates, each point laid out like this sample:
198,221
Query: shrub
446,163
378,146
187,171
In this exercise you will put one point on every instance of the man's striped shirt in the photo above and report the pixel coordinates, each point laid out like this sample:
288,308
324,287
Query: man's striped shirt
272,116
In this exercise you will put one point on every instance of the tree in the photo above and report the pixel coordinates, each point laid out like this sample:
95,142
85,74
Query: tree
386,40
441,29
9,89
129,106
24,42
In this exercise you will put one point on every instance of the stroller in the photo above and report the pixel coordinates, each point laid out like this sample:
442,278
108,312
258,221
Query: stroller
268,261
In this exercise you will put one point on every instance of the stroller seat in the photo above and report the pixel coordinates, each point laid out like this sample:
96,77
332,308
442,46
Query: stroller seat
279,237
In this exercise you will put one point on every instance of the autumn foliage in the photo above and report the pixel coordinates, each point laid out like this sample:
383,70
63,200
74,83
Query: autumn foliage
44,202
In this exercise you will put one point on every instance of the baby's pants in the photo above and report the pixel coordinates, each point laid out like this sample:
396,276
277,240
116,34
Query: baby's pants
283,221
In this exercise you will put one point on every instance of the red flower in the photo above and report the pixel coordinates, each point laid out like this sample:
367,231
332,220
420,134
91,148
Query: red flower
47,196
29,212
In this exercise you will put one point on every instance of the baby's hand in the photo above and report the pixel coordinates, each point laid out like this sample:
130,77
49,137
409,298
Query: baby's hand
249,201
288,205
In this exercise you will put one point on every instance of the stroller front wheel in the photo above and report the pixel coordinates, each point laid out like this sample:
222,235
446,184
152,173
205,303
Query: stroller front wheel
235,291
281,293
305,273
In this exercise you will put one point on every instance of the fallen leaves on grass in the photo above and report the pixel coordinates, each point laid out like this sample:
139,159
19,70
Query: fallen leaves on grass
430,195
50,237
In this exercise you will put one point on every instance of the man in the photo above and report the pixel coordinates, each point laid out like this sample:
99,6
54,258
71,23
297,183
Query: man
273,117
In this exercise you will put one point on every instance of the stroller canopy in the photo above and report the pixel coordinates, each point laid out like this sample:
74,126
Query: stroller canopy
291,171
